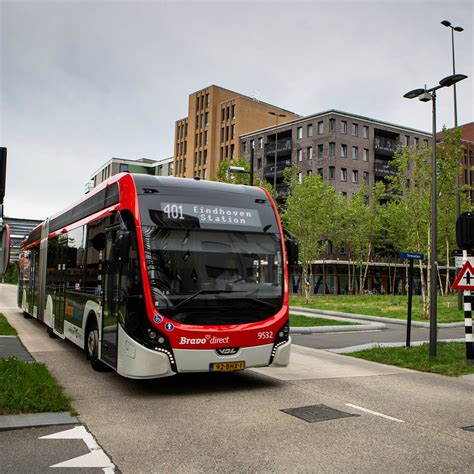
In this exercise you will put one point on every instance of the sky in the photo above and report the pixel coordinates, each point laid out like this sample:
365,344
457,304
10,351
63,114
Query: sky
84,81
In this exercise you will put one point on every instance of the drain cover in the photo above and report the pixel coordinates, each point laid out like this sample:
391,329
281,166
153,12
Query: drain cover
314,413
468,428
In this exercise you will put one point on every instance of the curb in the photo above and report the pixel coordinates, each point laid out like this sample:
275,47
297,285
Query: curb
372,345
380,319
36,420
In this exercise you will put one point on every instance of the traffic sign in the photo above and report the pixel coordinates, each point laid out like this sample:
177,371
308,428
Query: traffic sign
411,255
465,278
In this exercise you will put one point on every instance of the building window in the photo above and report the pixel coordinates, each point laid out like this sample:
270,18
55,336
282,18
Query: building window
309,152
300,178
260,143
197,103
222,114
299,133
355,129
207,100
344,195
355,176
206,118
222,134
233,111
205,137
244,147
232,131
366,177
332,148
227,133
321,172
309,172
320,150
227,113
344,151
232,149
299,154
355,153
343,174
407,140
343,126
252,144
310,130
366,131
204,159
320,127
332,125
332,172
366,154
417,142
123,168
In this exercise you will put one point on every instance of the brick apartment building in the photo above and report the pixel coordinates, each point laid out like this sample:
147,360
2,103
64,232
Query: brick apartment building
345,149
216,118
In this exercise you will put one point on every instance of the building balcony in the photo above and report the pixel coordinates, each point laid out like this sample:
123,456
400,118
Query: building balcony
283,147
384,168
385,146
269,171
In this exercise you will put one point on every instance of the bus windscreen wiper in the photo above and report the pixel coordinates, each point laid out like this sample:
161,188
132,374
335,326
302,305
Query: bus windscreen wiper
201,292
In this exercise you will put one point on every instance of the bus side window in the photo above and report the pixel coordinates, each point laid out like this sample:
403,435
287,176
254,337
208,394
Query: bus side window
95,245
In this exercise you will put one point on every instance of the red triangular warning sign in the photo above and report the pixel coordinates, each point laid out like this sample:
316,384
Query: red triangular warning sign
465,278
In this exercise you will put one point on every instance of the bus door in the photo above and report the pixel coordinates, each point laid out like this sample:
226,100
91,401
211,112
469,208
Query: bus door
112,300
60,285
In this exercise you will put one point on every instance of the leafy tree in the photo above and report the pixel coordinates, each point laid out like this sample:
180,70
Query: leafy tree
309,216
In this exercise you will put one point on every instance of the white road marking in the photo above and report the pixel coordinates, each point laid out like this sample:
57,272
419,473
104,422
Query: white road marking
96,458
376,413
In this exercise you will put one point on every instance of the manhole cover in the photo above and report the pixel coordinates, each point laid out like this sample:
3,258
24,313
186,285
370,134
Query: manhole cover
314,413
468,428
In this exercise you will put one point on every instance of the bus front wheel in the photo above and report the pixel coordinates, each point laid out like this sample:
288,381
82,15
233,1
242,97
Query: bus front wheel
92,344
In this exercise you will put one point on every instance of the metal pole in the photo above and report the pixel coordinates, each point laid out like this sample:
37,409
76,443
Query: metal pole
410,295
468,320
252,152
434,243
275,164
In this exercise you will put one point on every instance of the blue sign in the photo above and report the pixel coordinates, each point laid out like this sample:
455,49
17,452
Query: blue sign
169,326
157,318
411,255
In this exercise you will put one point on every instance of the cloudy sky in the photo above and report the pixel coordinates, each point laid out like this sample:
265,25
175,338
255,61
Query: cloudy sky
81,82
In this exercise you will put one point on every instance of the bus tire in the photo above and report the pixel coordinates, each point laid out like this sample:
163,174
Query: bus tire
92,346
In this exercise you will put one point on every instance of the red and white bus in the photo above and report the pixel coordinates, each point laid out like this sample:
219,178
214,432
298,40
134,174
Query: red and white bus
154,275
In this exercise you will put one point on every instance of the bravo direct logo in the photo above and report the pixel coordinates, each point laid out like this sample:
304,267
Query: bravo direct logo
204,340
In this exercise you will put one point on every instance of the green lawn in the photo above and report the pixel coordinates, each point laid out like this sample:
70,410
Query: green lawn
386,306
5,328
451,359
296,320
28,387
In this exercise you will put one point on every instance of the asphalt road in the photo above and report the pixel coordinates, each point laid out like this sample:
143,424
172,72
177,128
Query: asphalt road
233,422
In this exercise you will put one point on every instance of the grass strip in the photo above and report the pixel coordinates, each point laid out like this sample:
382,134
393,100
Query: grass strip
386,306
5,328
297,320
28,387
451,359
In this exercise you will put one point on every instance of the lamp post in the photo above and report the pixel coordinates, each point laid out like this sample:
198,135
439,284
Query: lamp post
425,95
242,170
276,144
458,198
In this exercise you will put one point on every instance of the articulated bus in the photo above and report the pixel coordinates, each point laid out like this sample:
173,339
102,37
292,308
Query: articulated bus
152,276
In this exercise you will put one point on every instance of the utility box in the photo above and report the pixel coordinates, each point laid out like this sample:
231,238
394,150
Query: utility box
465,231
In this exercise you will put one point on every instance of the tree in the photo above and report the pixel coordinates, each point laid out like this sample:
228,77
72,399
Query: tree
309,216
224,176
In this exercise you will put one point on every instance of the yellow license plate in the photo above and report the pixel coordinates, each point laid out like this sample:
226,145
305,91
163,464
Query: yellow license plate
226,366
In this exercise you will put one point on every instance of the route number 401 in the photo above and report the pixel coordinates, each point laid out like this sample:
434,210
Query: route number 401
174,211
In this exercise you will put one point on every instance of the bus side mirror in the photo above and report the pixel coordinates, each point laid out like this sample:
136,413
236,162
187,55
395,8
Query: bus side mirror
291,244
4,249
122,246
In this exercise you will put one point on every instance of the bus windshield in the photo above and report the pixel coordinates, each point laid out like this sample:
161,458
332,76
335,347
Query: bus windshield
209,277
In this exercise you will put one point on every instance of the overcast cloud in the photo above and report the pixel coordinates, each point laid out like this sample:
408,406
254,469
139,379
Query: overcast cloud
82,82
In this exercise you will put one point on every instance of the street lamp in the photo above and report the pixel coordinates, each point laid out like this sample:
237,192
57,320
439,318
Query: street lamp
276,144
425,95
242,170
458,198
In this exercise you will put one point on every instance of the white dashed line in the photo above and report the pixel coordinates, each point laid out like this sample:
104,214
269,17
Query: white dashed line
376,413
